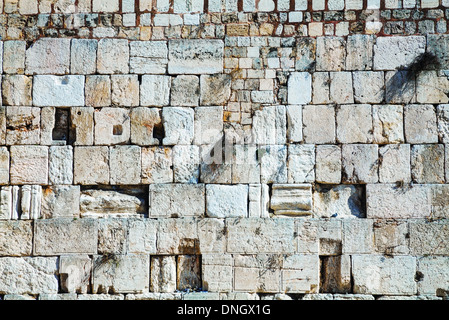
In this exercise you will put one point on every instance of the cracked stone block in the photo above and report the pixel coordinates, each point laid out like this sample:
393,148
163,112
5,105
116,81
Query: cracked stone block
128,273
301,163
83,58
394,164
34,275
112,126
342,201
98,91
260,235
29,165
186,163
330,53
148,57
168,200
391,53
14,56
433,275
215,90
178,125
420,124
400,86
113,56
359,52
217,204
188,272
142,235
16,90
358,236
48,56
388,124
328,164
98,170
369,86
273,164
63,91
431,87
319,124
354,123
60,167
74,272
372,274
196,56
291,199
155,90
294,123
65,235
125,165
208,125
359,163
163,274
178,236
269,125
299,88
217,273
211,235
60,201
391,237
16,238
427,163
185,91
157,165
82,124
125,90
23,125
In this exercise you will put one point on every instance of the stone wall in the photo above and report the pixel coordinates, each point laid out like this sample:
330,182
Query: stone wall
224,149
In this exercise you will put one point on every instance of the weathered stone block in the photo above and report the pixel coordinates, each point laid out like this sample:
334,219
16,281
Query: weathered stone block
338,201
16,90
16,238
301,163
60,168
157,165
48,56
294,123
328,164
215,89
142,234
320,85
186,163
29,165
97,172
63,91
163,274
208,125
428,238
245,166
155,90
273,167
269,125
83,58
392,53
125,165
217,273
420,124
112,126
391,237
218,205
177,236
98,91
14,56
427,163
431,87
388,124
394,164
74,272
185,91
60,201
400,86
82,124
305,54
113,56
433,275
4,166
291,199
359,52
188,272
340,88
358,236
22,125
359,163
148,57
354,124
112,235
125,90
300,274
299,88
178,125
330,53
369,86
337,274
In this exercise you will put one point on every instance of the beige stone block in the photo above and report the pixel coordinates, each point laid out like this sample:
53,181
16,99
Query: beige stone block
75,273
16,90
91,165
146,126
163,274
394,164
354,123
29,165
388,124
16,238
112,126
23,125
427,163
112,55
420,123
328,164
125,90
319,124
98,91
82,124
157,165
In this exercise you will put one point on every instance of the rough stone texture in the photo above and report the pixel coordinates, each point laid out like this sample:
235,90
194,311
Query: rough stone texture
144,125
125,165
60,201
48,56
394,163
16,90
368,86
163,274
420,124
60,168
388,124
22,125
354,123
319,124
74,271
112,126
215,89
29,165
328,164
16,238
299,88
301,163
398,52
338,202
269,125
178,125
360,163
98,169
433,275
291,199
112,56
155,90
331,54
125,90
83,57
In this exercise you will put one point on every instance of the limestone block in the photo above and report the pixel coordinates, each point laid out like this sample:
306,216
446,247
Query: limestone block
65,235
105,6
369,86
211,235
328,164
291,199
16,238
29,275
208,125
431,87
62,91
16,90
196,56
437,46
329,235
113,236
394,164
178,125
391,237
4,165
60,169
392,53
30,202
305,54
337,275
217,272
163,274
319,124
294,123
121,274
443,122
186,163
330,53
74,272
125,90
110,203
359,163
112,126
299,88
301,163
113,56
60,201
188,272
48,56
359,52
14,56
29,165
157,165
300,274
427,163
98,91
2,125
83,59
142,235
245,166
269,125
125,165
91,165
340,88
215,90
145,123
185,91
320,85
373,274
155,90
400,86
177,236
428,238
168,200
388,124
148,57
273,167
217,200
260,235
434,275
354,123
82,124
342,201
420,123
358,236
22,125
391,201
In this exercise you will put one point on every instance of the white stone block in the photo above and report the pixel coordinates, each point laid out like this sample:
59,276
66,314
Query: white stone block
392,53
63,91
125,165
299,88
301,163
218,204
112,126
60,169
178,124
155,90
48,56
113,56
83,56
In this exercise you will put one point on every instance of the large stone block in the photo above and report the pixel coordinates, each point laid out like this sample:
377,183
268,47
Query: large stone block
112,236
155,90
342,201
299,88
113,56
300,274
16,238
328,164
157,165
186,164
394,164
359,52
273,168
60,201
48,56
217,273
301,163
340,88
354,123
125,165
146,125
188,272
4,165
112,126
420,124
16,90
319,124
61,91
392,53
305,54
391,237
198,56
82,124
388,124
359,163
177,236
125,90
185,91
330,53
148,57
369,86
291,199
163,274
83,58
215,90
65,235
433,275
218,204
60,167
208,125
29,165
98,91
269,125
142,235
427,163
14,56
23,125
431,87
97,172
358,236
178,125
428,238
294,123
75,273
